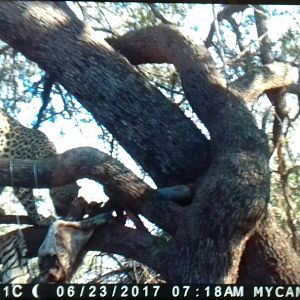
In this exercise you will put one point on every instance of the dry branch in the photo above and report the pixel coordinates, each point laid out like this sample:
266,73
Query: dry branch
226,13
263,79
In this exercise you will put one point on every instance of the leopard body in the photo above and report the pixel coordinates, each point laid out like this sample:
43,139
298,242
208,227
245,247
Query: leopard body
18,141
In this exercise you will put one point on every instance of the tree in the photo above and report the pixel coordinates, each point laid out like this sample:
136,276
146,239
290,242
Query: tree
224,234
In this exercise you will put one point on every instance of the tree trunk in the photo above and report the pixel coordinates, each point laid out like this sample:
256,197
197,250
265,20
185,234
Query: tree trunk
230,196
69,52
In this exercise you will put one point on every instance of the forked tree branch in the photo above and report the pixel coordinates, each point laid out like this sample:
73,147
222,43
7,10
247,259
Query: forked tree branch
56,33
111,238
226,13
236,145
263,79
86,162
249,87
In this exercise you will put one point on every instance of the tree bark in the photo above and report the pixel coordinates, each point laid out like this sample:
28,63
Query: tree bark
121,183
230,197
227,225
269,257
139,48
146,124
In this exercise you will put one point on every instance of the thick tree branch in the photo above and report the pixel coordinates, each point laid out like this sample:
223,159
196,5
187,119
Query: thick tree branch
277,95
263,79
240,145
198,75
158,135
249,87
86,162
131,243
112,238
12,219
294,88
268,256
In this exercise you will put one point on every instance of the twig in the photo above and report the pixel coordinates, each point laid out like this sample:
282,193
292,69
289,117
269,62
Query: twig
247,49
158,14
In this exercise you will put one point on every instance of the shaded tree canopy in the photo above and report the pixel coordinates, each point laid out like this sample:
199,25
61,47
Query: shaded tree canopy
212,191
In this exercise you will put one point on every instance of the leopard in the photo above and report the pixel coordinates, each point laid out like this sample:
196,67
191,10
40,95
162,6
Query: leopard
20,142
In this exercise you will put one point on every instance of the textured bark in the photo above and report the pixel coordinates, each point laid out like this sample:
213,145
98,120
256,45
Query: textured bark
268,78
269,257
229,200
112,238
85,162
145,123
277,94
138,49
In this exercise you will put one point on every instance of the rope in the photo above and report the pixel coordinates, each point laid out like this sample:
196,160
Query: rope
35,175
11,171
